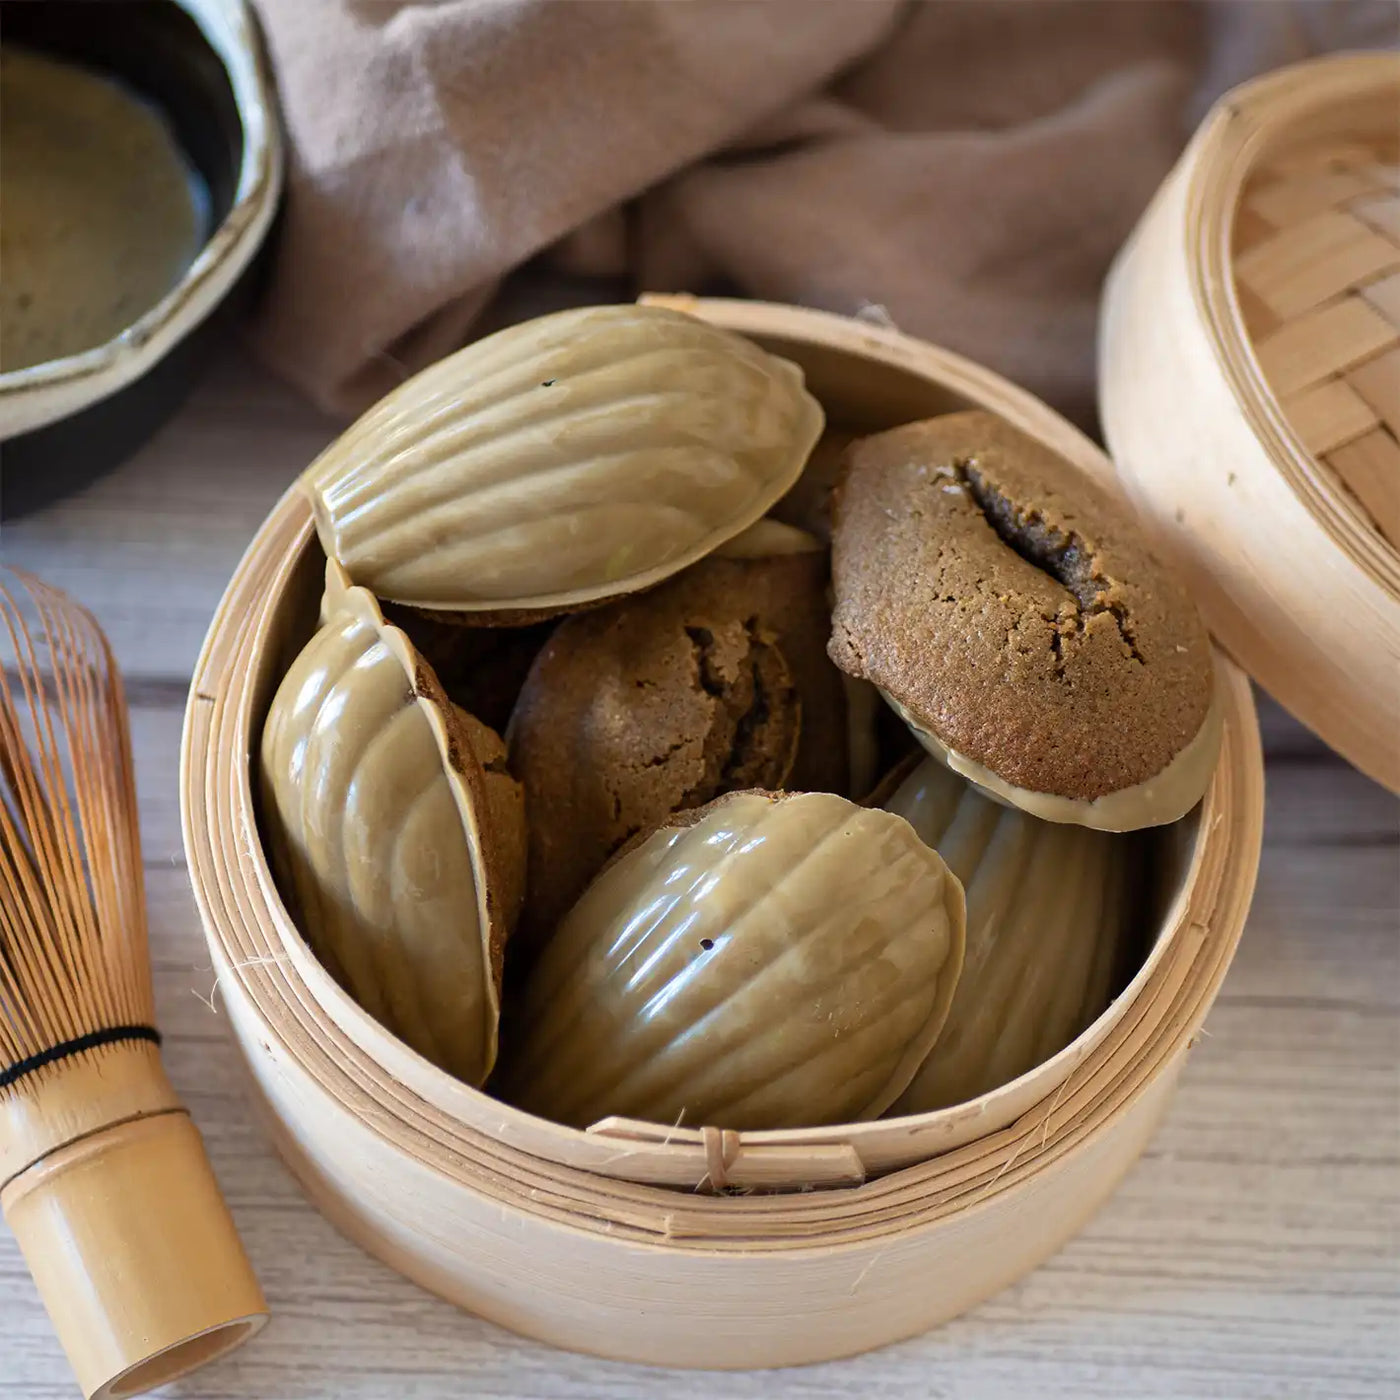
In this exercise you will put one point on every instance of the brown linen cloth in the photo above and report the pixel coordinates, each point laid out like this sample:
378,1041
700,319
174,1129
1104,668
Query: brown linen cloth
968,167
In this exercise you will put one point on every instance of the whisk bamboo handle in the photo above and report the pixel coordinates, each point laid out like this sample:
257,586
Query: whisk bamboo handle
134,1254
105,1183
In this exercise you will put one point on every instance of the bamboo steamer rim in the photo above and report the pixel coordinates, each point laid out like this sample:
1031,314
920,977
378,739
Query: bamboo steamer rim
1284,565
1252,121
1115,1076
976,1170
270,978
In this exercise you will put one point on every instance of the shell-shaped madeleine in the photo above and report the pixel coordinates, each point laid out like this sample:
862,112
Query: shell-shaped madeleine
570,458
396,831
1047,910
768,961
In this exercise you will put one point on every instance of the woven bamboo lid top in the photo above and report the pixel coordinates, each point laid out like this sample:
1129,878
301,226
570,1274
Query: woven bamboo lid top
1317,270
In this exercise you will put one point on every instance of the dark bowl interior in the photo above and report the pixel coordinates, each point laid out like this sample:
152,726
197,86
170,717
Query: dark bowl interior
156,48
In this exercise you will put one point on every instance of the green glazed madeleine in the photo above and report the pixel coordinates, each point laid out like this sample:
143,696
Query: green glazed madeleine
768,961
562,461
396,832
1047,910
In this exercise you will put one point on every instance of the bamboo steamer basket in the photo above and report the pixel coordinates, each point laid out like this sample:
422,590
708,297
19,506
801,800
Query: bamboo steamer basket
582,1238
1250,388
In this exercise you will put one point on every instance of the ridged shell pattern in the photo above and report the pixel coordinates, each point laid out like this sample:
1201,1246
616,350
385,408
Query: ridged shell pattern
782,961
1047,906
369,836
571,458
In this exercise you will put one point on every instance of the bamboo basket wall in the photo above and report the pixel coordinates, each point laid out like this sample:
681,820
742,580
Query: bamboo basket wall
582,1238
1250,387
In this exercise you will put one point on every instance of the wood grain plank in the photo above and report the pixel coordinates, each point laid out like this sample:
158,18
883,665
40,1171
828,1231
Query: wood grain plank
1327,805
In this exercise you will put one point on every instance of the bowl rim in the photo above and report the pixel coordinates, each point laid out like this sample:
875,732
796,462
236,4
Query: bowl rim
37,395
231,649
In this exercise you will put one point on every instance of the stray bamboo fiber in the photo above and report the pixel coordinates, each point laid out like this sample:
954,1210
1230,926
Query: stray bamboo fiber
103,1177
681,1246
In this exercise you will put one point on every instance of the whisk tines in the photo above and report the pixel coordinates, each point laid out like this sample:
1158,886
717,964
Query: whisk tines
73,968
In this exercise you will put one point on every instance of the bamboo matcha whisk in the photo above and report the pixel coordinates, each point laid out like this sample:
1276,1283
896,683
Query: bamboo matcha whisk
103,1177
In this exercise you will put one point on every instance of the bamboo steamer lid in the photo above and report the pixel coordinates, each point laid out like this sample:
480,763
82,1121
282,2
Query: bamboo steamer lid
559,1232
1250,389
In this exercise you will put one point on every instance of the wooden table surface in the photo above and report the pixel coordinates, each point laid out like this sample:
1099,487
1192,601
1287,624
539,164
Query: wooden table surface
1254,1252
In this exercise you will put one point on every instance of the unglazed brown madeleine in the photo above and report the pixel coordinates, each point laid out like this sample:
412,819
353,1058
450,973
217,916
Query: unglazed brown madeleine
717,680
1013,614
767,961
1048,910
396,832
565,460
629,714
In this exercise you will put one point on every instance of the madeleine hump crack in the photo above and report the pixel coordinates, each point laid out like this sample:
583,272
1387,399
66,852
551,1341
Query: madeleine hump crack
756,712
1060,553
1012,613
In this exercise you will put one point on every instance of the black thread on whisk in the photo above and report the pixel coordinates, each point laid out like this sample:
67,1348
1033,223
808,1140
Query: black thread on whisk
108,1035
